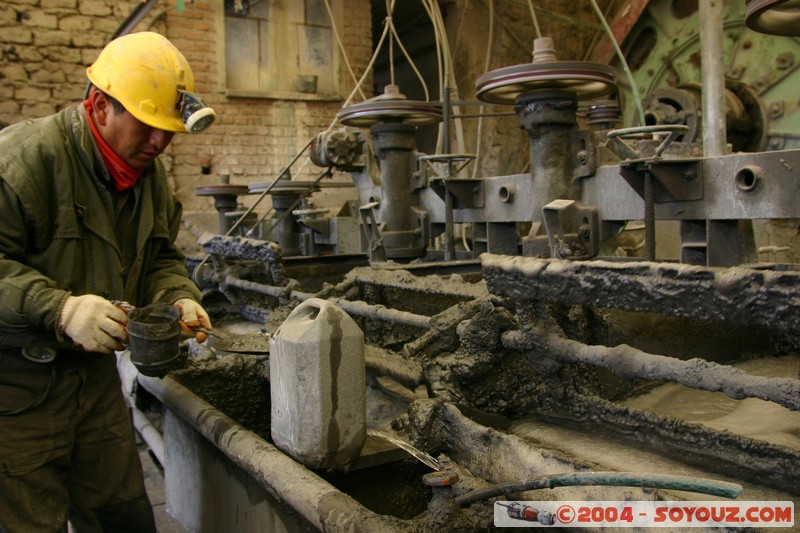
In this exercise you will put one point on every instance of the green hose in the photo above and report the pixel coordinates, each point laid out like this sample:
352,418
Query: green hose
613,479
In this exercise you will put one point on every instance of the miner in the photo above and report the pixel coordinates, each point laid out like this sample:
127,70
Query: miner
87,220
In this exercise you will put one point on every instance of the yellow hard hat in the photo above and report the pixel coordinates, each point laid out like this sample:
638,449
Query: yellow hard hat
148,76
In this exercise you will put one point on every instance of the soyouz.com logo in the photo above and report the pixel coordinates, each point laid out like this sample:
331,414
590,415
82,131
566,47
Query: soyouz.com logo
644,514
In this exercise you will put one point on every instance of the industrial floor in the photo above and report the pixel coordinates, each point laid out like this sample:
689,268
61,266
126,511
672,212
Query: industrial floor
154,483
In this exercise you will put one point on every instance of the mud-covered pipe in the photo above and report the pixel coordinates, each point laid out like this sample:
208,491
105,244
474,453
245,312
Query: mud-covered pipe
610,479
362,309
628,362
325,507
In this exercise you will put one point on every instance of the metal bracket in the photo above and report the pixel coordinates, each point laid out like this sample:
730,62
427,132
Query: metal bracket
585,154
467,192
572,230
675,179
372,231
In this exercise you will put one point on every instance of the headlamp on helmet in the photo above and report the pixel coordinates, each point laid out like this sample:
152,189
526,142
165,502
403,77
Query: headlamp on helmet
196,116
152,79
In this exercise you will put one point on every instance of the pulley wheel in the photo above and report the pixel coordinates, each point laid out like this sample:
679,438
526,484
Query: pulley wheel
413,112
214,190
586,80
285,186
773,17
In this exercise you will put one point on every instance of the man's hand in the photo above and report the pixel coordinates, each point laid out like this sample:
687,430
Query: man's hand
193,316
93,323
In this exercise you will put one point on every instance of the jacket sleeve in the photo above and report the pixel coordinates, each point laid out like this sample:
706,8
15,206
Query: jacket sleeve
166,277
29,299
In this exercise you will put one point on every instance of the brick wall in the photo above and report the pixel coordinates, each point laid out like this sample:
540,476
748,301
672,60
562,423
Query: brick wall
45,47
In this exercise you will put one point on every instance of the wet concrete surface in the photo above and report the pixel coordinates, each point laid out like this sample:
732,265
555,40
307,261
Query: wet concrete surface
750,417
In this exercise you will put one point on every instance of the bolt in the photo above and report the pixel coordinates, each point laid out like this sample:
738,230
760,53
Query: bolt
760,84
777,143
776,109
582,157
784,60
584,231
736,72
689,175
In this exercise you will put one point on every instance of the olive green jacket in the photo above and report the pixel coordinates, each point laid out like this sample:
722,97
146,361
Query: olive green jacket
57,233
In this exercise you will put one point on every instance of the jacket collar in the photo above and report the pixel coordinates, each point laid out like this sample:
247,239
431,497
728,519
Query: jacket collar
92,194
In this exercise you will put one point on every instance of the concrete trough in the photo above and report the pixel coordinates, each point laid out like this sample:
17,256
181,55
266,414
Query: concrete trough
448,339
223,476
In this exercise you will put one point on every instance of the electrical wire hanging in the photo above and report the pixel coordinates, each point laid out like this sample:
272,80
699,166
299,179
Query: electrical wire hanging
634,88
410,63
368,67
447,75
390,23
481,108
340,44
535,20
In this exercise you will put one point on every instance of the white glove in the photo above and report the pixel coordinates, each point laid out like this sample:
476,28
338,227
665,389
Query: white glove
192,316
94,323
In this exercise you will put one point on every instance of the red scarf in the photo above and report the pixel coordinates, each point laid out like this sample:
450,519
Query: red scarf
124,175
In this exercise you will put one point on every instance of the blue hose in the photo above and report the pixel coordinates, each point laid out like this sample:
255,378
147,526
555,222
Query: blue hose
614,479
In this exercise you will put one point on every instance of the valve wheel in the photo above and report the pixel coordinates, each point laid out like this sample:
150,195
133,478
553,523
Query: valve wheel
672,131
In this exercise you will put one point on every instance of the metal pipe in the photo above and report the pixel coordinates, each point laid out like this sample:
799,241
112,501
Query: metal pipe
129,374
362,309
550,121
628,362
379,312
649,217
269,290
150,435
325,507
394,147
449,242
713,78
